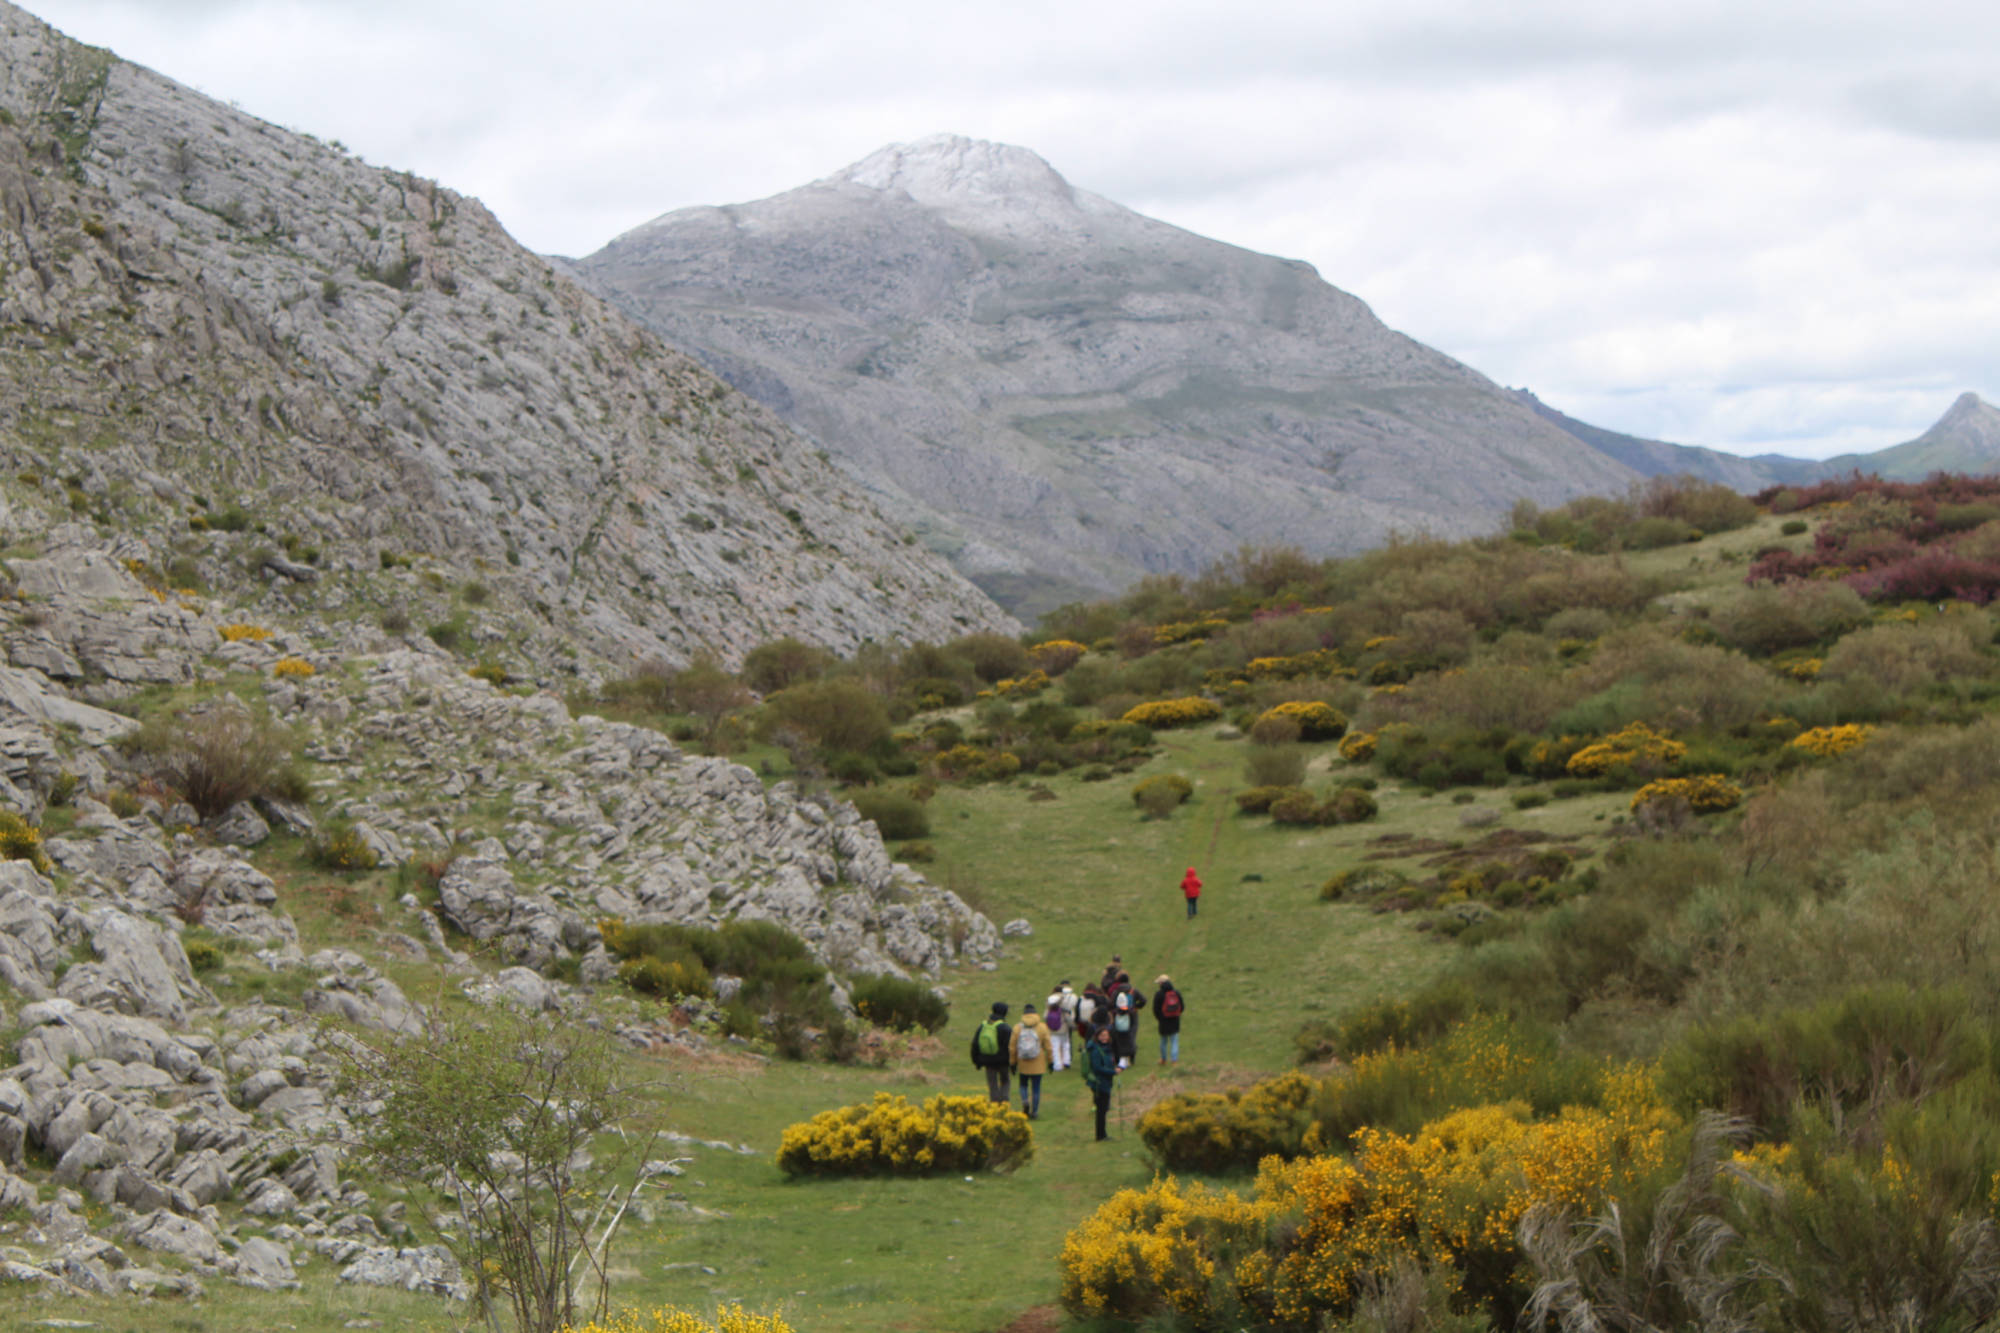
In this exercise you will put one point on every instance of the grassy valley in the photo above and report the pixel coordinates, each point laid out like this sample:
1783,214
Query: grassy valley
1615,878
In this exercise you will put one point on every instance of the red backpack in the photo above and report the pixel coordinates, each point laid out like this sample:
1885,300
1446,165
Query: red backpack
1170,1004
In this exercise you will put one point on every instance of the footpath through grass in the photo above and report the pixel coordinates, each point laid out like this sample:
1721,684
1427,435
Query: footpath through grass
1093,878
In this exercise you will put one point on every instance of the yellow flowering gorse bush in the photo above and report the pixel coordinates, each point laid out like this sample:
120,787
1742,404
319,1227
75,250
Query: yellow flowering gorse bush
1320,663
893,1136
1163,714
1624,748
1829,741
1707,794
1033,683
296,667
1056,656
241,633
1290,1255
1358,747
1188,630
1317,721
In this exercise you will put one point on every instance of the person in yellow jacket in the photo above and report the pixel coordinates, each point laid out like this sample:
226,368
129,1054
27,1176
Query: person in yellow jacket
1031,1059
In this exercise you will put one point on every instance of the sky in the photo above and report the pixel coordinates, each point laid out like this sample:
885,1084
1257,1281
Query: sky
1757,225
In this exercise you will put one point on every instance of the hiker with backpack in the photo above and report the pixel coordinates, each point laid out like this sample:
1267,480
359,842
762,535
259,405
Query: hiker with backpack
1127,1003
1060,1020
1099,1071
992,1051
1090,1013
1030,1059
1168,1006
1191,890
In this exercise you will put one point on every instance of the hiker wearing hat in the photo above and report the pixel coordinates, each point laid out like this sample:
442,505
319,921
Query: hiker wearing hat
1191,889
993,1051
1168,1006
1030,1058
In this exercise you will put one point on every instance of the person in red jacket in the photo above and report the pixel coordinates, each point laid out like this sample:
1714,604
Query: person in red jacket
1191,886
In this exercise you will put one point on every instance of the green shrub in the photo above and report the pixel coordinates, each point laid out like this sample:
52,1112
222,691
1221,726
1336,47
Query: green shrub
897,814
1365,881
666,978
1792,527
1275,766
338,846
216,758
899,1003
836,714
1160,796
203,955
1257,800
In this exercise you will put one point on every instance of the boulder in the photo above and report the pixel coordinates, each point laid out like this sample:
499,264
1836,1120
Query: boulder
265,1265
240,826
427,1268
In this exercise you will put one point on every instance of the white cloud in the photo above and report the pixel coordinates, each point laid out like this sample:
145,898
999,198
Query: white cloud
1752,227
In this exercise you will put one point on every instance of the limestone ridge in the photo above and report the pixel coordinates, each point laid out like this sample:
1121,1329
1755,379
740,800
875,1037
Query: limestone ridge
198,306
1064,395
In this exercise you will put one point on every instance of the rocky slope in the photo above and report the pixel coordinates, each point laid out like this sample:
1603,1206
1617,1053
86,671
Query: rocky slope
265,411
205,317
169,1111
1065,395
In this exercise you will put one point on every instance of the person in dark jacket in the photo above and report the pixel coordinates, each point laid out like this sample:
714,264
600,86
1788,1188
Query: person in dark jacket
994,1053
1090,1015
1125,1040
1099,1073
1168,1006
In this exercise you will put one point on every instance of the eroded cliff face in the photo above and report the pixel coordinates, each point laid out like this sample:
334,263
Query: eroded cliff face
1064,395
204,317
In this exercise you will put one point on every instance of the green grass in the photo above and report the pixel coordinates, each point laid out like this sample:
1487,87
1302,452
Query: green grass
1094,877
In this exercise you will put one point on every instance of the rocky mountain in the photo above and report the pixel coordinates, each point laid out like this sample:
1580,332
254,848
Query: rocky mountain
1965,439
210,323
1063,395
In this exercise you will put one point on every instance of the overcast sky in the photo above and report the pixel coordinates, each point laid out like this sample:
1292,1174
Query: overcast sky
1765,230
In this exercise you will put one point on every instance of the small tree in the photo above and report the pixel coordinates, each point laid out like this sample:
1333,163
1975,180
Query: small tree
500,1114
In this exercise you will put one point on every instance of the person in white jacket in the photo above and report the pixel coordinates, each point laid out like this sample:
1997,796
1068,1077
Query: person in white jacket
1060,1016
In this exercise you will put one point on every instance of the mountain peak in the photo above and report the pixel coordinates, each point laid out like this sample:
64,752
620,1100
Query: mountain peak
947,169
1965,405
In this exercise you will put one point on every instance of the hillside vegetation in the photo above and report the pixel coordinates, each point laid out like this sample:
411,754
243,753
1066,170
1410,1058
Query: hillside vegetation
1598,926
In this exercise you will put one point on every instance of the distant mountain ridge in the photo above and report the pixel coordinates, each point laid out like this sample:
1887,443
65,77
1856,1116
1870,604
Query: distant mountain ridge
1965,439
1063,395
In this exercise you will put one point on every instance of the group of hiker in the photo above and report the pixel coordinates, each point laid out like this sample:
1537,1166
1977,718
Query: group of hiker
1102,1023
